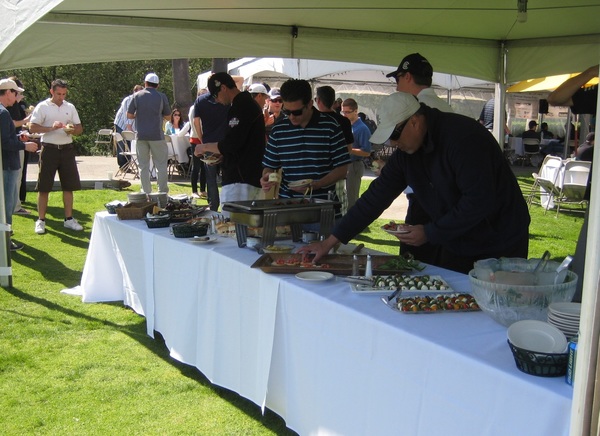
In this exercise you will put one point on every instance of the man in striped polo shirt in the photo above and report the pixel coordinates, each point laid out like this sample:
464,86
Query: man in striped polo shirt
308,145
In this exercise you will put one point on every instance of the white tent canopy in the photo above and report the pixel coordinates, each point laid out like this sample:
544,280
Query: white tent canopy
483,40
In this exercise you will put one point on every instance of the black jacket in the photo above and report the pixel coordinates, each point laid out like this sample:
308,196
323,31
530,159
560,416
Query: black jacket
462,181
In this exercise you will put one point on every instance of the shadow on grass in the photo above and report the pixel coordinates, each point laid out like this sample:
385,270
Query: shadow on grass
53,270
137,331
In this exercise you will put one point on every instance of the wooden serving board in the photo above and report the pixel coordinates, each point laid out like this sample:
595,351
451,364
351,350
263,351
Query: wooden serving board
339,264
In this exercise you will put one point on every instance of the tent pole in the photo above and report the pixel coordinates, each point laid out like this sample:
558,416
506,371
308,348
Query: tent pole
500,99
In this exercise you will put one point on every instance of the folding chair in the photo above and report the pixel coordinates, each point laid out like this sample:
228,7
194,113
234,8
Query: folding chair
574,184
173,163
131,166
548,182
531,149
105,140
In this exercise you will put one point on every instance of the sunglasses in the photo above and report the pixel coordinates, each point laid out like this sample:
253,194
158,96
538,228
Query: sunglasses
399,76
176,115
398,131
295,113
277,100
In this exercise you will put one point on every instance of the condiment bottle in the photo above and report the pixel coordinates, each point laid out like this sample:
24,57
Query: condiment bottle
369,267
355,267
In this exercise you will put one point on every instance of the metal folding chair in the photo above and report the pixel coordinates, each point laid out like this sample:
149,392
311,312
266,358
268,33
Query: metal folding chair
131,167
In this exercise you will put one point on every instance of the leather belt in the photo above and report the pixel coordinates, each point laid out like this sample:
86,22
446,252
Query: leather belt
58,146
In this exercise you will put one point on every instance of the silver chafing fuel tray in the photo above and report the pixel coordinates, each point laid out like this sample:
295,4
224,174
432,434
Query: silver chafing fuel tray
280,212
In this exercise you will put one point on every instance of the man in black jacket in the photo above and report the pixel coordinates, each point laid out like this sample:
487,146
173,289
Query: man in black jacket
459,176
243,146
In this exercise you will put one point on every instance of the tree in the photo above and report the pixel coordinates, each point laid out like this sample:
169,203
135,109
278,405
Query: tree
97,89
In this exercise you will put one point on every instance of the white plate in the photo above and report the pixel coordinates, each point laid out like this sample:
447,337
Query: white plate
395,232
300,183
569,309
203,239
314,276
537,336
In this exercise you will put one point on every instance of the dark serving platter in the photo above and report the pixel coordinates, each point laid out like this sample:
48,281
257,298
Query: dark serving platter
339,264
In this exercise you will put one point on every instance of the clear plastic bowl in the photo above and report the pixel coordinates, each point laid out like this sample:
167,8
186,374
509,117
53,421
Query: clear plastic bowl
508,303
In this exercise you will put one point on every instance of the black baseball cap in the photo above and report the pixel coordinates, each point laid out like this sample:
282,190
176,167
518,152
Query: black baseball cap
216,80
415,64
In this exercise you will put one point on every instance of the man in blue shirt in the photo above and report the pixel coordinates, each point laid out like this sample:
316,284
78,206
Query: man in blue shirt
361,149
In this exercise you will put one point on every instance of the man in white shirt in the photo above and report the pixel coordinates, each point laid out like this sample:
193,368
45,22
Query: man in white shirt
57,120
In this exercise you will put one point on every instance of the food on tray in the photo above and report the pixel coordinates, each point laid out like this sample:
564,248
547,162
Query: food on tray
69,128
278,248
401,263
303,261
410,283
427,303
290,202
395,228
227,229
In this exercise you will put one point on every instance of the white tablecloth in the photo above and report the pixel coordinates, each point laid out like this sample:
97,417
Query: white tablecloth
516,144
327,360
180,145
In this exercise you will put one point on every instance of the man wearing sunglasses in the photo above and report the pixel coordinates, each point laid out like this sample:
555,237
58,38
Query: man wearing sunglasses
460,177
308,145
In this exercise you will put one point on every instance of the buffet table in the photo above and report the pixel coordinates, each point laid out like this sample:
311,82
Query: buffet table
328,360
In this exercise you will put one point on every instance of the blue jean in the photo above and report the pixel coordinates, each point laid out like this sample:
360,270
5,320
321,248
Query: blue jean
212,189
10,187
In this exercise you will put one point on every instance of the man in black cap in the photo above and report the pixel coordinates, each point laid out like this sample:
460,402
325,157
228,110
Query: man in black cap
243,146
414,76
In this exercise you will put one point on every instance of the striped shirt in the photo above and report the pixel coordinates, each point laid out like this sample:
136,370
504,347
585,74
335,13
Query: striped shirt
309,152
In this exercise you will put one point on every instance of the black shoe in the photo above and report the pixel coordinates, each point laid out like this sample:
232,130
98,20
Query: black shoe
14,246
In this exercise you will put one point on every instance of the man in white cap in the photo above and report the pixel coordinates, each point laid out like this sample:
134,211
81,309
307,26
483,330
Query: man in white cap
11,145
149,107
260,95
459,176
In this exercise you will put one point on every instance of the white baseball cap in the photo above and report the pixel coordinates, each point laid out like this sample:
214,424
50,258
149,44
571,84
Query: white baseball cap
151,78
394,109
10,84
257,88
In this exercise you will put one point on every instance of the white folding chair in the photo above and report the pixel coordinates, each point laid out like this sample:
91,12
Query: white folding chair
105,140
173,163
131,167
548,182
574,184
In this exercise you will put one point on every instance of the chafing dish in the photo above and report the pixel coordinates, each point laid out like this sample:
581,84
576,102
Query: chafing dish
280,212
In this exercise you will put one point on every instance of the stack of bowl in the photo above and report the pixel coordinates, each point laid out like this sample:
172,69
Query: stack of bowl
137,197
538,348
160,198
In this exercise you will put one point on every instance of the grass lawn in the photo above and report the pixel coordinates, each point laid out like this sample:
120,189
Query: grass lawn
74,368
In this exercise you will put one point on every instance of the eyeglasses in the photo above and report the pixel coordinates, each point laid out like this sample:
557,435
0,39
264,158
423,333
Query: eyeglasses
277,100
295,113
398,131
176,115
399,76
348,112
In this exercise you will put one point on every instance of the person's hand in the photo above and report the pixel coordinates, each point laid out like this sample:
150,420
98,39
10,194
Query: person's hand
378,166
320,248
265,183
31,147
416,235
199,150
57,125
270,120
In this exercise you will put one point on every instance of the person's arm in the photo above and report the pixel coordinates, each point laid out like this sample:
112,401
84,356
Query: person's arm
562,96
333,176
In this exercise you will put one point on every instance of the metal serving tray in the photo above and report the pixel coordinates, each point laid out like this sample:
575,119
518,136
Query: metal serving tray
280,212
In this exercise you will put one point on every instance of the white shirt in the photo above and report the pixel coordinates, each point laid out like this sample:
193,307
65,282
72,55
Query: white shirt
46,113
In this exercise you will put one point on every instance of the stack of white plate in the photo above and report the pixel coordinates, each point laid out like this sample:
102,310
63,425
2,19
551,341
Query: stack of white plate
565,316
